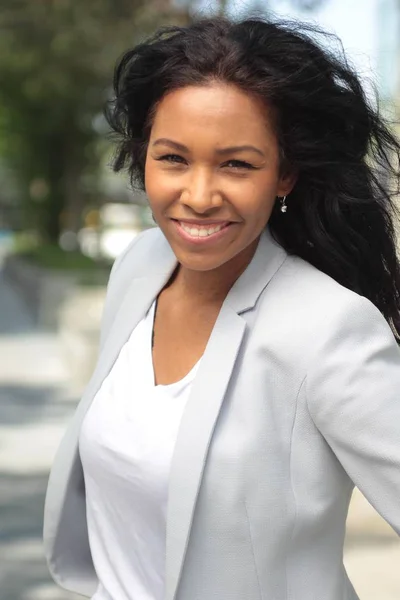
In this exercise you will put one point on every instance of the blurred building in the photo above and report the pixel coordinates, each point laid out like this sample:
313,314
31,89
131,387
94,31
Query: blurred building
388,49
368,29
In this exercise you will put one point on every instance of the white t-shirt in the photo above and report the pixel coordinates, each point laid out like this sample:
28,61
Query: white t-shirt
126,445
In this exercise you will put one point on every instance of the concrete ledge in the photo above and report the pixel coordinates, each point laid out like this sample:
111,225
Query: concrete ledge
79,327
43,290
58,303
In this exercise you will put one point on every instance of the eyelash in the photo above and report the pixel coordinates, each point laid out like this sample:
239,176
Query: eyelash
242,164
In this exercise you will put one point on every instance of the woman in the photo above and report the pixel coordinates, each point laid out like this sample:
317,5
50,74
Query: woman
249,371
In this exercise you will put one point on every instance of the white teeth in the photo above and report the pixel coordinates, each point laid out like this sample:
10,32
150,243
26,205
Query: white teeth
202,232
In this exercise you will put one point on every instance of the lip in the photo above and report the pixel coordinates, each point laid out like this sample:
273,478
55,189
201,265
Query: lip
200,222
210,239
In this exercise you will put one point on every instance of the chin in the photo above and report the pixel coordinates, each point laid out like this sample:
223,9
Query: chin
201,263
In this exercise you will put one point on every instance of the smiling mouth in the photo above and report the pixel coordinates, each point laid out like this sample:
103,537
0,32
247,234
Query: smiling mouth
198,234
197,230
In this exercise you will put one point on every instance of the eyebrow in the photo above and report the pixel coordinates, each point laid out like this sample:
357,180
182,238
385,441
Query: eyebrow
221,151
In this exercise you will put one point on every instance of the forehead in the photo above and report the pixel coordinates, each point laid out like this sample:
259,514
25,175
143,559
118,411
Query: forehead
213,110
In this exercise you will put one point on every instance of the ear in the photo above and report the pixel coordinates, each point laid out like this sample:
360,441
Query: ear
287,181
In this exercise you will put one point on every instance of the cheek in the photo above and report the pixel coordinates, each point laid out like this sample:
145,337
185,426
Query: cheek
159,187
258,197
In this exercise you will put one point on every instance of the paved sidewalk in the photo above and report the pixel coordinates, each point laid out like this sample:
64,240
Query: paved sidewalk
35,405
34,408
372,553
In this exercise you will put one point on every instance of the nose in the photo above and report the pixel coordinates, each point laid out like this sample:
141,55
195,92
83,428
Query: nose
200,193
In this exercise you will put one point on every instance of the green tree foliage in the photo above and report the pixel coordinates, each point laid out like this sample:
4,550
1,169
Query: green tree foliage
56,65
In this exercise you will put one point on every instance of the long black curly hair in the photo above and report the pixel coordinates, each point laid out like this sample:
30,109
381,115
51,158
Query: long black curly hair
341,213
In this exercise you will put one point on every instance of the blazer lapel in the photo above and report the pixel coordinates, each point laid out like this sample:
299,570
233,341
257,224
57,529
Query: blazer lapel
138,298
205,401
194,436
140,294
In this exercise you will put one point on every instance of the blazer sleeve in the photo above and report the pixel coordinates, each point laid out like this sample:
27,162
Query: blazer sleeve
353,395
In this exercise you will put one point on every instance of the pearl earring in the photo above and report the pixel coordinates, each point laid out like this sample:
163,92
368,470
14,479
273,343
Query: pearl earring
283,204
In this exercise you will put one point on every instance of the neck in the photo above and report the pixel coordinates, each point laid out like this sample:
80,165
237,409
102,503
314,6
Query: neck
210,287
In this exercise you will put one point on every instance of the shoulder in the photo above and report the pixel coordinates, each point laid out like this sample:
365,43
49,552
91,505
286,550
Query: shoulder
132,261
317,292
326,332
319,308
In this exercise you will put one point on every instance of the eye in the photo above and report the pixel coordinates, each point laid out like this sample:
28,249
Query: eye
171,158
239,164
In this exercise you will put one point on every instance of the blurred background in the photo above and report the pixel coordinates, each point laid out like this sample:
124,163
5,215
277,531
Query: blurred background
64,217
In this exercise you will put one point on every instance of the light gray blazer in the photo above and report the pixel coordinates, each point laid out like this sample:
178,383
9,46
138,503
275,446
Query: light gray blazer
296,398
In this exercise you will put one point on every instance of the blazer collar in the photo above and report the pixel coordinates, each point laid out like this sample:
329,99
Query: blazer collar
161,262
210,384
268,258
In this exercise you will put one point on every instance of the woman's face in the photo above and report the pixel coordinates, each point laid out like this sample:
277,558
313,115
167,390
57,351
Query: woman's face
212,161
